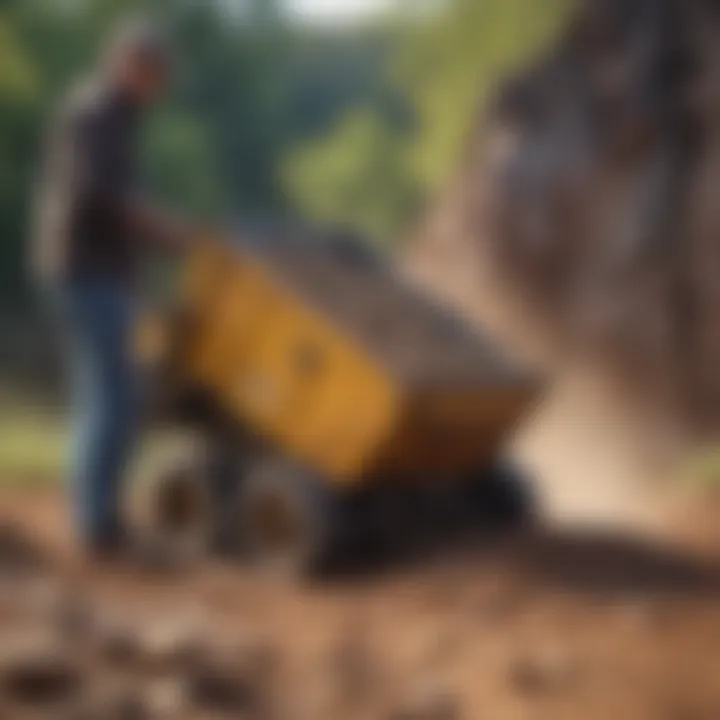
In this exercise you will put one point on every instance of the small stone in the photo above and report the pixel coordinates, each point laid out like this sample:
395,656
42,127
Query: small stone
19,555
167,699
443,647
48,600
129,707
219,686
114,701
543,672
37,671
70,614
257,658
173,647
116,641
74,619
429,703
643,615
354,668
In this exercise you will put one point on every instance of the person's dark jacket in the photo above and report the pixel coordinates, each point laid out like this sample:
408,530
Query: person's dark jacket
86,187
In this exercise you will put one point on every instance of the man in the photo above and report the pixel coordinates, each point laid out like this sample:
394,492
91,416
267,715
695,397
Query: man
92,227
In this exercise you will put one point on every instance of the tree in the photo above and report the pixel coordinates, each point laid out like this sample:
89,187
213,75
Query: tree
449,67
20,92
376,173
359,176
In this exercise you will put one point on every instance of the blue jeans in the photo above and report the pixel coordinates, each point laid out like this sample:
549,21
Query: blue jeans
98,318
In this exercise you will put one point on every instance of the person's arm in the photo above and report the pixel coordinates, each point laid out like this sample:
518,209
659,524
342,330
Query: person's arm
164,228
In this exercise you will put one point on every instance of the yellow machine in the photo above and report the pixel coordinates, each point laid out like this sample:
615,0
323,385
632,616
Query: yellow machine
326,374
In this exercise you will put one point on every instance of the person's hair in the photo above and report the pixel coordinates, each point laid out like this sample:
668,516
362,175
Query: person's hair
140,38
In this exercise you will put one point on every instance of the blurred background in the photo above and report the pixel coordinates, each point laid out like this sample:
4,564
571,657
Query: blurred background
549,169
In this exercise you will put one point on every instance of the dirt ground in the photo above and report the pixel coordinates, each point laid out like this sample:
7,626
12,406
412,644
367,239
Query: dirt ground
552,624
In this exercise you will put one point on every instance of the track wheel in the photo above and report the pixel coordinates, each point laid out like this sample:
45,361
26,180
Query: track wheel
181,513
287,517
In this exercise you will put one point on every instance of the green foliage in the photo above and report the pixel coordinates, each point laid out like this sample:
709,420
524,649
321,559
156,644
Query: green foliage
19,81
180,167
450,67
359,176
374,176
20,92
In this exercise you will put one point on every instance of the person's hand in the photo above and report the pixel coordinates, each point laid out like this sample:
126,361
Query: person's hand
177,234
162,227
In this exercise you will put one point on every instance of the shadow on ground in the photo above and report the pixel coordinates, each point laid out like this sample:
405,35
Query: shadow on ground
605,564
601,564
